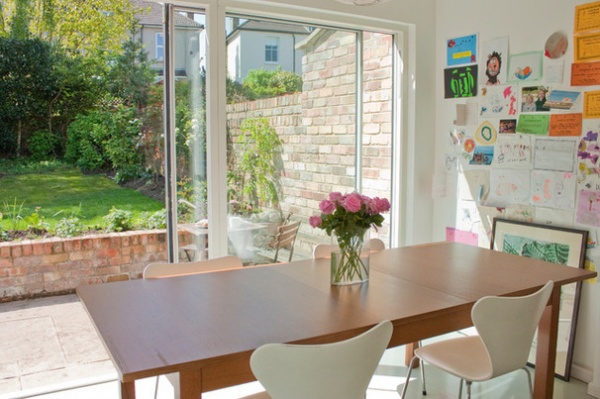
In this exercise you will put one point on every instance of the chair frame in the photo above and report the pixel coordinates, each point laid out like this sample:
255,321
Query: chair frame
285,238
505,348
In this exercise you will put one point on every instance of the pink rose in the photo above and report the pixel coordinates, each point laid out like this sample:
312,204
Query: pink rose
315,221
327,207
335,196
352,202
381,204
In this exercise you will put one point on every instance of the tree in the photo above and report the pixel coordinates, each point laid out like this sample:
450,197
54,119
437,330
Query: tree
80,27
26,84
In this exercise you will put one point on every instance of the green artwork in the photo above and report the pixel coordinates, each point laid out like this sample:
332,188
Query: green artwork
536,249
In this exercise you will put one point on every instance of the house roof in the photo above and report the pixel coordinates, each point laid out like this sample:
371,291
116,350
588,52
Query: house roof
152,13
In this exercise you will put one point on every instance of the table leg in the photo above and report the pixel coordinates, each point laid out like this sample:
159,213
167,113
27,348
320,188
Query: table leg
545,358
409,353
127,390
190,384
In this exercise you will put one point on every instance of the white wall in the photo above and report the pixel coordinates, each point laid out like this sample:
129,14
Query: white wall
527,24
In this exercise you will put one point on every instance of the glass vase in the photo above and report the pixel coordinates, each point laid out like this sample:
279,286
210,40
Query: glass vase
350,258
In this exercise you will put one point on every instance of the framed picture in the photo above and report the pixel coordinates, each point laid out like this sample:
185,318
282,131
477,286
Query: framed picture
554,244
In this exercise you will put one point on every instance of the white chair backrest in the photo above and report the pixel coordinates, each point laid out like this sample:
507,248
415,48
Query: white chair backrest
340,370
163,269
322,251
507,326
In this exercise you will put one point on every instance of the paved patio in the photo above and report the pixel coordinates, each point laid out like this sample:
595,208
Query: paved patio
48,342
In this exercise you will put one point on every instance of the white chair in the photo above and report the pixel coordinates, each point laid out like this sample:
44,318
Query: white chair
341,370
322,251
163,269
506,327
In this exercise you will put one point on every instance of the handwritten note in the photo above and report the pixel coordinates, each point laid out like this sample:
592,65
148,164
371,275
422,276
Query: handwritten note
587,47
554,154
585,74
587,17
591,104
533,124
565,125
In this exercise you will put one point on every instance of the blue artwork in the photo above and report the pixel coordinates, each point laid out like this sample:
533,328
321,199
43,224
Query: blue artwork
462,50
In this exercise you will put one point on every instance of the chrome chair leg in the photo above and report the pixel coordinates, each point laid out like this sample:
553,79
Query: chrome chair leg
460,388
529,382
422,365
405,387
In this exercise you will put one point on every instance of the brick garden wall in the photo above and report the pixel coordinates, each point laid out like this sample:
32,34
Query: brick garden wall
33,268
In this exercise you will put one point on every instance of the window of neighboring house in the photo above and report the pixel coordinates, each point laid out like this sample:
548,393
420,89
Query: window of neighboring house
160,47
271,49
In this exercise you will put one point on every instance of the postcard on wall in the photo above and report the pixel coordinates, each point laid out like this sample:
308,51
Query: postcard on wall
565,125
507,126
587,17
591,104
588,153
588,208
553,71
533,124
460,82
513,152
553,189
585,74
461,50
554,154
525,67
482,155
587,47
493,59
508,186
561,99
533,98
498,101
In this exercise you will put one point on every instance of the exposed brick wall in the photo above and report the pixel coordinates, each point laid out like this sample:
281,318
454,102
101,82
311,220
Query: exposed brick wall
317,126
33,268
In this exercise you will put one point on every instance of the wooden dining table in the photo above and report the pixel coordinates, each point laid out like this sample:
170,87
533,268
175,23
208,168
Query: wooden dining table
206,326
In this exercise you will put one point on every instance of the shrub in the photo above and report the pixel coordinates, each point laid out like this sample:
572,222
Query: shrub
69,227
264,84
119,220
43,145
156,220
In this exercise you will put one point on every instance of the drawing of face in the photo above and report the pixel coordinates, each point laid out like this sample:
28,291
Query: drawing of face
493,66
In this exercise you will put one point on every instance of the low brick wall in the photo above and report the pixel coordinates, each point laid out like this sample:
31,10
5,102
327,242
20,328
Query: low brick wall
35,268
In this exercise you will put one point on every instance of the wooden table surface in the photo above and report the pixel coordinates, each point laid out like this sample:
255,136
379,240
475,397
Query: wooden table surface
206,326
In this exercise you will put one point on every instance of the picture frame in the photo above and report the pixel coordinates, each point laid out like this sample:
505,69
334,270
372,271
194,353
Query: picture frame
554,244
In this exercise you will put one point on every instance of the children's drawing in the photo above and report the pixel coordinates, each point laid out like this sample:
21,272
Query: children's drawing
588,208
553,189
492,60
588,153
498,101
513,151
508,186
461,50
525,67
486,133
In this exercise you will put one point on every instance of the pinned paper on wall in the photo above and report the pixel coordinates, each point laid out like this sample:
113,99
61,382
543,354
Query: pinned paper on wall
587,17
498,101
482,155
553,189
533,124
493,61
525,67
588,208
588,153
559,217
466,114
486,133
508,186
587,47
520,212
464,237
460,81
513,152
554,154
585,74
477,187
461,50
507,126
565,125
591,104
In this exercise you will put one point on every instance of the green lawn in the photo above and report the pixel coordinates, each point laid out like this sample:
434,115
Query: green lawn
61,192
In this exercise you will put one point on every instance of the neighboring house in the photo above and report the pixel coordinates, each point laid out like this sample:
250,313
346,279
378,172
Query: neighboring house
254,44
187,37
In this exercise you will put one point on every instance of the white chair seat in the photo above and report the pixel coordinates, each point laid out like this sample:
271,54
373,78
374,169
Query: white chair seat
464,357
